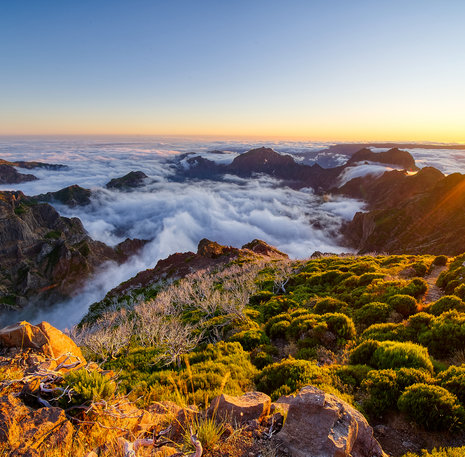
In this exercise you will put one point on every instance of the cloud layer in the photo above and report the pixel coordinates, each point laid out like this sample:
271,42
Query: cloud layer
174,216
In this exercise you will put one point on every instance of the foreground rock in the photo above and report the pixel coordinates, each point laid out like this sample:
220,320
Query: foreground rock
43,338
240,410
321,425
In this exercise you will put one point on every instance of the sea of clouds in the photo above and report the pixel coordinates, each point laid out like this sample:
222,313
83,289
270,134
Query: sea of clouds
175,215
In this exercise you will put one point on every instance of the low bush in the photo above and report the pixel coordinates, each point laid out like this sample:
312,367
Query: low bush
446,335
384,332
372,313
446,303
392,354
292,373
363,353
329,305
440,261
403,304
416,288
250,339
87,387
441,452
432,407
453,379
382,389
275,306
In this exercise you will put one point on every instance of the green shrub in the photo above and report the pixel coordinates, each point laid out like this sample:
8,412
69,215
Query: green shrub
260,298
453,379
279,329
372,313
409,376
417,326
432,407
292,373
384,332
352,375
416,287
460,291
363,353
447,334
250,339
441,452
403,304
440,260
392,354
382,389
87,386
446,303
329,305
341,325
275,306
368,278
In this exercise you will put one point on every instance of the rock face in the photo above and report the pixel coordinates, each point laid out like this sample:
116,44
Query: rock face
71,196
321,425
209,254
240,410
44,256
393,156
43,338
9,175
132,180
421,214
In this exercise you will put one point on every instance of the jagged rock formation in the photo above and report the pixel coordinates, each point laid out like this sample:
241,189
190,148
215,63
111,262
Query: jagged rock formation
393,156
285,168
320,424
71,196
411,214
130,181
31,165
209,254
44,256
9,175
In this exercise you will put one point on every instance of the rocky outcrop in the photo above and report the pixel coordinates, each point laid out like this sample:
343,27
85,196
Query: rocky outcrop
393,156
33,164
44,339
321,425
425,218
71,196
43,256
240,410
9,175
209,254
132,180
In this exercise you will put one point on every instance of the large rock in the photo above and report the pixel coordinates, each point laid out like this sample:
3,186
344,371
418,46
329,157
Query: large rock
43,338
250,406
321,425
132,180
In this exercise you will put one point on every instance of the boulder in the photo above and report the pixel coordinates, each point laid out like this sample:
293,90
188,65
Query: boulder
12,412
321,425
250,406
43,338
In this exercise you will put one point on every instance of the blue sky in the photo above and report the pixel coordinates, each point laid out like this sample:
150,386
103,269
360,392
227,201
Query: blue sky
316,69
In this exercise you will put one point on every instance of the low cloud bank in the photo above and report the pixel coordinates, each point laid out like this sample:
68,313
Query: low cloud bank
174,216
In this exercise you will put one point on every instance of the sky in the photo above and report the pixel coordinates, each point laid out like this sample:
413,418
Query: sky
359,70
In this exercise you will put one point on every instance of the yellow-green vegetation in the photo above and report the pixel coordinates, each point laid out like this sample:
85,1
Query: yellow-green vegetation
85,386
356,326
441,452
